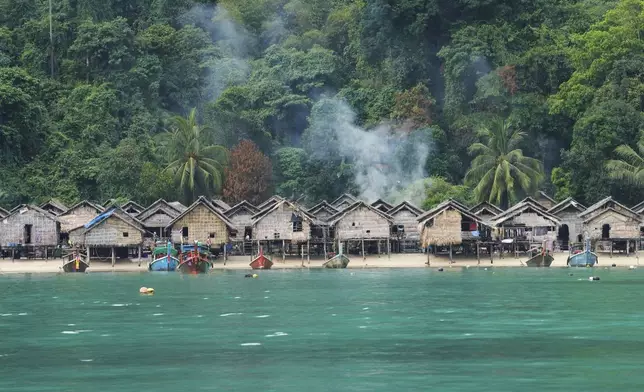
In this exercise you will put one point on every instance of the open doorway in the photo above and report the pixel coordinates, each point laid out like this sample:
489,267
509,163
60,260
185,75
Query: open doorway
27,234
564,235
605,231
248,233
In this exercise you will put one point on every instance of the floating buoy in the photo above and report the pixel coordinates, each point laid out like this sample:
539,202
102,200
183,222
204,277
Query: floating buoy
591,278
255,276
146,290
440,270
614,265
569,274
632,267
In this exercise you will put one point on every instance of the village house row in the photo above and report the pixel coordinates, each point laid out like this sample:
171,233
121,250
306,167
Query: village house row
283,226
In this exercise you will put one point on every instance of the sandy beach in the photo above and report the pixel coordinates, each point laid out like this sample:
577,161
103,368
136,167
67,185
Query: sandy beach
241,263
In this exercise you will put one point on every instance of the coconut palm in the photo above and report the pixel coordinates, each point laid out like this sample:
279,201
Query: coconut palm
195,163
630,167
500,173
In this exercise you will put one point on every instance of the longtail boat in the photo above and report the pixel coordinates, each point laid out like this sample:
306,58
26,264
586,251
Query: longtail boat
164,258
337,261
579,258
77,262
261,261
194,259
540,257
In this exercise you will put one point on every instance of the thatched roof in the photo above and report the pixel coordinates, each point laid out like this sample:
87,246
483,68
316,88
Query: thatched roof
486,208
270,202
544,195
526,205
71,220
335,218
625,213
159,206
442,224
345,198
606,203
177,205
296,207
21,208
54,206
323,206
241,206
405,205
202,201
639,207
565,204
132,207
382,205
223,207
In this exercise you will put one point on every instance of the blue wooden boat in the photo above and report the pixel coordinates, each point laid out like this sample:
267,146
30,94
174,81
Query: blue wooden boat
585,258
164,261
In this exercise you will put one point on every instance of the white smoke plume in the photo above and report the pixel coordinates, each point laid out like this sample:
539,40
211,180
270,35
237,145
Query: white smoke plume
233,42
385,160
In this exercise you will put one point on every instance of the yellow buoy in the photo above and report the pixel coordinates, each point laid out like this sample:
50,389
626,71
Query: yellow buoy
255,276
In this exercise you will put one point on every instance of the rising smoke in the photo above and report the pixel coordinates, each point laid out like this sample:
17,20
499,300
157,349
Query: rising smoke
385,161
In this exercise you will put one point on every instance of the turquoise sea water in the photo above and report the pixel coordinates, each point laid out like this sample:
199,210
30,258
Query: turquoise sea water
320,330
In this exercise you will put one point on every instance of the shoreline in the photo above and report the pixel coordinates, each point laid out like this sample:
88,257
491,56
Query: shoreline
239,263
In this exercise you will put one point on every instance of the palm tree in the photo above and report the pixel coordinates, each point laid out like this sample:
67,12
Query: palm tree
500,173
630,167
193,160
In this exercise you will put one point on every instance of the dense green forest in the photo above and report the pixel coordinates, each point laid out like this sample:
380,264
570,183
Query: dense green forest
418,99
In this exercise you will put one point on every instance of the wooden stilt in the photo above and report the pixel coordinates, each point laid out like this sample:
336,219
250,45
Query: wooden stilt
283,251
113,257
88,254
363,255
628,243
308,252
478,252
388,249
225,255
427,250
611,249
450,253
140,254
325,251
302,254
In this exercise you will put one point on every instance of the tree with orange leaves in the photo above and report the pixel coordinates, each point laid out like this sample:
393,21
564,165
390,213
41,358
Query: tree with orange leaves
249,174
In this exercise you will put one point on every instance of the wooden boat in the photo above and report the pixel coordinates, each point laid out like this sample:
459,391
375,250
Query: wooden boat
164,258
337,261
579,258
541,257
261,261
76,262
194,259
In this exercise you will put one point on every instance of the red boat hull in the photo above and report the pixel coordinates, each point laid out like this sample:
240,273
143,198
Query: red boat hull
261,262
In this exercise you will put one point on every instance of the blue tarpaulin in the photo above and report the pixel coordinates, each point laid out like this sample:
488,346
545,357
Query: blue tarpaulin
99,218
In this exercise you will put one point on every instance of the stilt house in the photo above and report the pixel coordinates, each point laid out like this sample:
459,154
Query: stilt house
546,201
202,222
157,217
571,229
77,216
241,216
221,205
612,222
404,231
29,225
323,211
284,221
382,205
527,222
486,211
270,202
132,208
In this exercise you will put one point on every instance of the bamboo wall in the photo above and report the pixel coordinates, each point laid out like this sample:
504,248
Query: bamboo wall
79,216
279,222
323,215
111,233
408,220
570,217
158,219
200,223
356,223
240,220
620,226
44,231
